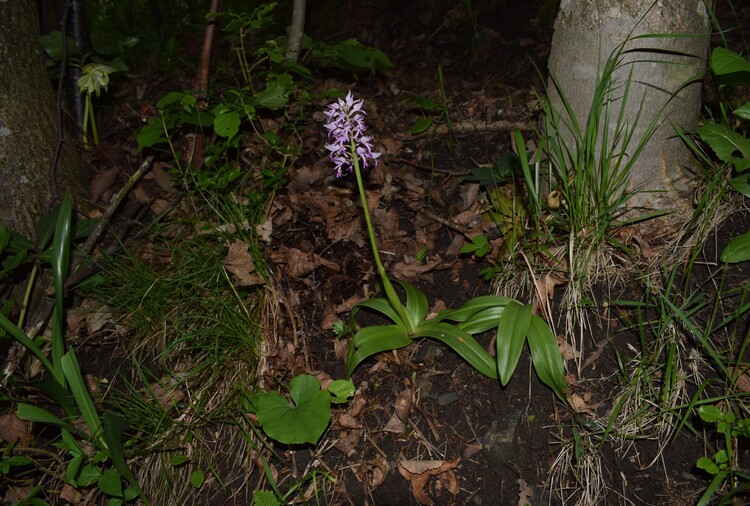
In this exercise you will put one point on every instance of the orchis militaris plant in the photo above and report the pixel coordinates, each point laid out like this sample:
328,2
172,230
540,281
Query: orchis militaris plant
351,150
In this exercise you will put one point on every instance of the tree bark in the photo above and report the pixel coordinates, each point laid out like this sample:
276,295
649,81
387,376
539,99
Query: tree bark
297,30
32,172
586,34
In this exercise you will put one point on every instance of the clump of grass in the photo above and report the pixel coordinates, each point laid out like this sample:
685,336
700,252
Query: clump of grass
194,343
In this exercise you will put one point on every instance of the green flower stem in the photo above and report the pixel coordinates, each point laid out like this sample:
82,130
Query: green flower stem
387,286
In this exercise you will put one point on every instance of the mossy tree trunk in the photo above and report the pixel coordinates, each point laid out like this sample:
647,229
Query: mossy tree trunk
29,183
588,31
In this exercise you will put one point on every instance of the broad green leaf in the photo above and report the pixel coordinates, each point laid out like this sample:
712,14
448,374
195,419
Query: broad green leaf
472,307
114,427
724,141
511,334
738,249
303,422
356,57
374,339
60,264
88,475
110,483
265,498
341,390
725,61
382,305
546,357
416,302
40,415
81,394
226,121
462,343
275,96
151,133
420,125
741,184
482,321
73,467
710,414
707,465
743,111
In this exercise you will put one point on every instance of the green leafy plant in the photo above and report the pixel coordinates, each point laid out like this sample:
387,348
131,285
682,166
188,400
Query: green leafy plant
350,146
721,465
728,139
304,419
67,387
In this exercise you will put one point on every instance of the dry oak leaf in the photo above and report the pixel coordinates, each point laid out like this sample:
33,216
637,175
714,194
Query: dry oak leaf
419,471
299,264
239,262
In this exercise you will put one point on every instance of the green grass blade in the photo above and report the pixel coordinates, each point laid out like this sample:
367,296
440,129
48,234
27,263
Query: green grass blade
462,343
511,334
375,339
81,394
546,357
114,426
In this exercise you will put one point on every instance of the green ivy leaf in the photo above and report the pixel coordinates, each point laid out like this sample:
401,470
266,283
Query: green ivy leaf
298,423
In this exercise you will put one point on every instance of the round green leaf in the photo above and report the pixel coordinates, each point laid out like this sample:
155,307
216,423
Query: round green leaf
301,422
196,478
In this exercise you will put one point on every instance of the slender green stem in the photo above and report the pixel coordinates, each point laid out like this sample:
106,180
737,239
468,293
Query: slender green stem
387,286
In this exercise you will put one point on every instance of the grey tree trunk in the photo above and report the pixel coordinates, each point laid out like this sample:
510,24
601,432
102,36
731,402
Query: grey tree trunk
588,31
28,125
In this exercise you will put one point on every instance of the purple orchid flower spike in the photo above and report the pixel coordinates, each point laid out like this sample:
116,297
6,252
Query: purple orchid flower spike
347,131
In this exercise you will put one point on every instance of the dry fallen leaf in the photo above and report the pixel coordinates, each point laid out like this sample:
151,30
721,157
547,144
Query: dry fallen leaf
15,430
240,264
347,441
378,471
298,264
419,471
741,377
404,404
70,495
347,421
524,493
